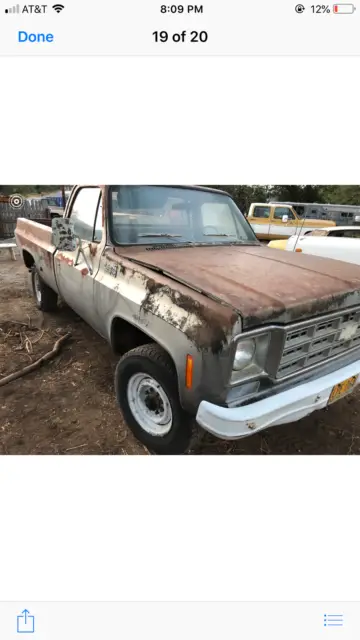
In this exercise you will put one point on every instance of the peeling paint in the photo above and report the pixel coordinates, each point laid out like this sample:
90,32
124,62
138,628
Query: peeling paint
204,327
111,268
60,256
208,325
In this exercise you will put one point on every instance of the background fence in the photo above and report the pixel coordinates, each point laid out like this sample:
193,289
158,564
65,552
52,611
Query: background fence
9,214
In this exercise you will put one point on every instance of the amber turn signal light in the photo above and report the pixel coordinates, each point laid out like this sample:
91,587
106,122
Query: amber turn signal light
189,371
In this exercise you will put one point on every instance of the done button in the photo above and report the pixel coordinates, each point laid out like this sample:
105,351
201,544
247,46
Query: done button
24,36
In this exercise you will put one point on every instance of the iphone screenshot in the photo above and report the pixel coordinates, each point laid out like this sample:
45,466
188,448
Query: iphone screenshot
179,320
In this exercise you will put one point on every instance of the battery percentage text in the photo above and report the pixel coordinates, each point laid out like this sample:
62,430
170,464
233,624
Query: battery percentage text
320,8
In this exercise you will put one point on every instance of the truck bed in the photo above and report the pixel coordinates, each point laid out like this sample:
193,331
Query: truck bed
34,240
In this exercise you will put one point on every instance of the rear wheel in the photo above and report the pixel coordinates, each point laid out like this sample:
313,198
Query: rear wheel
45,298
146,390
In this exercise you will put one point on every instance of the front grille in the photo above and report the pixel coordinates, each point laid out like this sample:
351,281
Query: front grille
314,343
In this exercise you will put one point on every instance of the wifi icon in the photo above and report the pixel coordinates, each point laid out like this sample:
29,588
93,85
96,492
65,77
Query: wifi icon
58,7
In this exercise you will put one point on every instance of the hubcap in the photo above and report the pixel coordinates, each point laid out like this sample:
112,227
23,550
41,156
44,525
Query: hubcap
149,404
37,287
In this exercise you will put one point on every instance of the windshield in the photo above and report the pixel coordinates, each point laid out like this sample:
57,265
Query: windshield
172,215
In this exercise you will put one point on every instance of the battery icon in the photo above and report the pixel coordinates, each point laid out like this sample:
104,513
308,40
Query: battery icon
344,8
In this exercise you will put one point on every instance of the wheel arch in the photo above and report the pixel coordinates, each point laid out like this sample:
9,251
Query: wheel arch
28,259
125,336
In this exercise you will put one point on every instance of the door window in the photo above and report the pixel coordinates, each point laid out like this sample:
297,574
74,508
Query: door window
98,230
317,232
261,212
346,233
283,211
84,213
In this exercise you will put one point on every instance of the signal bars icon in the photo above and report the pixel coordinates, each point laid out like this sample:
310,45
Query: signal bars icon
14,9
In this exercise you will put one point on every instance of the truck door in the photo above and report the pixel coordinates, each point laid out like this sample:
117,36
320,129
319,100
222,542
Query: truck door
280,229
259,219
75,271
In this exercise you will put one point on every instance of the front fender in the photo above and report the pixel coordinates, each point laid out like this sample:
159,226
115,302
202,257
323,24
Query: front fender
184,322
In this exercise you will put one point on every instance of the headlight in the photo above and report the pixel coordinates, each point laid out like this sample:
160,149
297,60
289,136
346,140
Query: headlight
250,357
244,355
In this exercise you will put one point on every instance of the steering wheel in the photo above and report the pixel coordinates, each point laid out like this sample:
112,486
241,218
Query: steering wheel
212,228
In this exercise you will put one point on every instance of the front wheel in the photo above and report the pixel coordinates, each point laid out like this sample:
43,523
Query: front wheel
146,390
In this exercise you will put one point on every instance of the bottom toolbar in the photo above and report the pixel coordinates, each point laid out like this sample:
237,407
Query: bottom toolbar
179,620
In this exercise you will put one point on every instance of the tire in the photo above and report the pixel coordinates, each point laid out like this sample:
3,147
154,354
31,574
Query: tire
146,391
45,298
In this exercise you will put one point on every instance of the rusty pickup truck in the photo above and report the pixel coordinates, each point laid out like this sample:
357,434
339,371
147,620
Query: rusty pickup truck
212,328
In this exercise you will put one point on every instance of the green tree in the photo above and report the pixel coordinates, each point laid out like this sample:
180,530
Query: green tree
27,190
244,195
341,194
296,193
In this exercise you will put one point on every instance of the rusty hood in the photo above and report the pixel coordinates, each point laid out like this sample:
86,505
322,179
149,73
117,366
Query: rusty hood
264,285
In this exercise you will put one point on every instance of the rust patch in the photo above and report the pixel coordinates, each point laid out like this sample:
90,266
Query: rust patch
84,271
111,256
262,284
93,249
111,267
307,309
213,327
215,320
62,258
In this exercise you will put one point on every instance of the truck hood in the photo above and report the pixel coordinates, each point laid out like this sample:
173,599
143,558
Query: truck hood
264,285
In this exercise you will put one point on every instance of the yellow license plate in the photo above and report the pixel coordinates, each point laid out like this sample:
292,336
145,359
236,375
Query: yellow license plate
342,389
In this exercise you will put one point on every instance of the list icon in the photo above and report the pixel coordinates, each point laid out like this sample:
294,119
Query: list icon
333,620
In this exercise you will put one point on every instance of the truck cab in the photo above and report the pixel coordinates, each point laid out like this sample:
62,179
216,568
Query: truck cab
275,221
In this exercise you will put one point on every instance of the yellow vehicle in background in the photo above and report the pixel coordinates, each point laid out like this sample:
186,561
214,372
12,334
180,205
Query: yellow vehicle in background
278,244
273,221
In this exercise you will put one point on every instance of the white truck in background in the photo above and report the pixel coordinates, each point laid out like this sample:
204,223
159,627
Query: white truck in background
339,243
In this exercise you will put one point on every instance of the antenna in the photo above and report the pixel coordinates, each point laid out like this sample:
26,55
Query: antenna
299,233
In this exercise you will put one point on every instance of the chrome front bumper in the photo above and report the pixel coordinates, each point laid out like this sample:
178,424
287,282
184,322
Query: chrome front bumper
284,407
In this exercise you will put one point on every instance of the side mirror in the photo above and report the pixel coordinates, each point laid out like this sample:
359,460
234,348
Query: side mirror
63,235
285,218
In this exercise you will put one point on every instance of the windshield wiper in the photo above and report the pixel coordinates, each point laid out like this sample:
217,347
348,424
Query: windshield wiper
219,235
159,235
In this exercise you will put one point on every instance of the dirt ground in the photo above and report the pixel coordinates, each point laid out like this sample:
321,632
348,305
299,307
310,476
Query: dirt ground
68,406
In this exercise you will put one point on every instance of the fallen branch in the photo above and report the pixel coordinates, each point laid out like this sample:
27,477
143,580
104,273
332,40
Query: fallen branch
79,446
35,365
39,337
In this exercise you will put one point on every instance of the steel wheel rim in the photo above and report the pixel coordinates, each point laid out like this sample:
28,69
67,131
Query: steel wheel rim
149,404
37,287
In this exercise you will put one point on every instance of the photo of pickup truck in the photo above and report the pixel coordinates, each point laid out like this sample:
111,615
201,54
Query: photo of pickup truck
212,328
272,221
